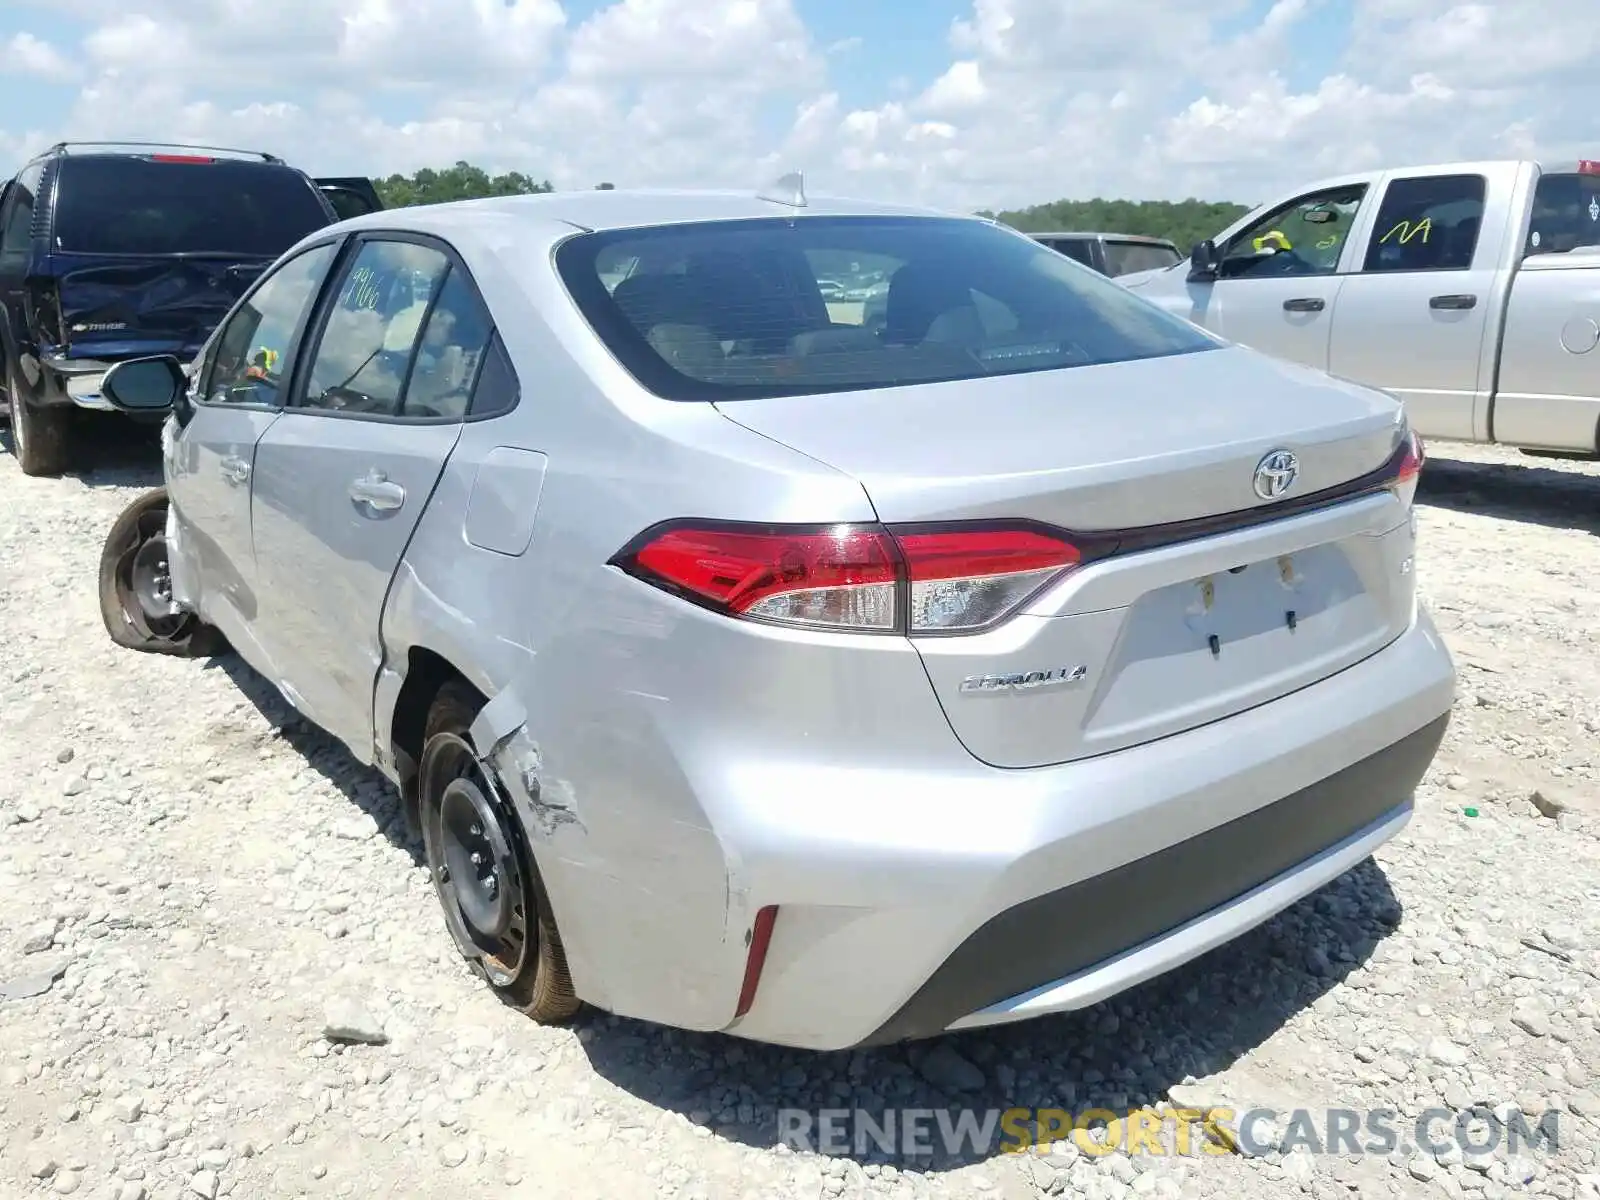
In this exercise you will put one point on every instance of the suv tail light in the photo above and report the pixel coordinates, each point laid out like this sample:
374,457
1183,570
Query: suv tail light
863,578
182,158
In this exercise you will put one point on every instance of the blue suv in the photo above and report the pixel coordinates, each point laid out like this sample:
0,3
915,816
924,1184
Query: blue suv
115,251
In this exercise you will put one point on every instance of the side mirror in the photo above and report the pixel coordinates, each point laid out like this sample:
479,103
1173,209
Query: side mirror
1203,261
145,385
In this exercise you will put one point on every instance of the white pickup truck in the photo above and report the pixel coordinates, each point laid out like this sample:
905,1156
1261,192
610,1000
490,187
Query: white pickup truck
1470,290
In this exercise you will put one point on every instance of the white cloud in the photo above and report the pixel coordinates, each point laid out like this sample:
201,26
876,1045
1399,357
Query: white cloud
1038,99
24,54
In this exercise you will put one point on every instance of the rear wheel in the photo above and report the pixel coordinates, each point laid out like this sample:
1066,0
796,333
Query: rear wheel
41,438
483,870
136,587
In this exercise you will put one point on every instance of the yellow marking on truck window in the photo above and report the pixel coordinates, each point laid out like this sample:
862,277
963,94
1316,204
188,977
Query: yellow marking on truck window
1406,231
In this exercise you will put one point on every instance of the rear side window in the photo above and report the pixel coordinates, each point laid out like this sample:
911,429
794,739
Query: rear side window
735,309
131,205
1124,258
1076,248
1429,223
16,217
1566,213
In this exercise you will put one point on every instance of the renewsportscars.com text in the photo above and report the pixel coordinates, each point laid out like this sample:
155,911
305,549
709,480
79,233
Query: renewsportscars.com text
914,1133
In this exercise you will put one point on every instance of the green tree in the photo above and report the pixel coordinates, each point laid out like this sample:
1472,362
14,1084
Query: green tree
460,182
1183,222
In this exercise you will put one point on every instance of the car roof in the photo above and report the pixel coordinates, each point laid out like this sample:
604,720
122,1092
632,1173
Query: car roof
562,213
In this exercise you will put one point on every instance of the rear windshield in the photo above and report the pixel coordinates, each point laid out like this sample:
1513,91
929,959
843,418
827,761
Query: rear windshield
1124,258
138,206
743,309
1566,214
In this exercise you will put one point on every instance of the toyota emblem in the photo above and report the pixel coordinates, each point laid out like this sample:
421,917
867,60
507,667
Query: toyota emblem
1276,473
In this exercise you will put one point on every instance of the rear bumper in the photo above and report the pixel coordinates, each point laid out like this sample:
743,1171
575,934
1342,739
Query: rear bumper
1159,911
1011,894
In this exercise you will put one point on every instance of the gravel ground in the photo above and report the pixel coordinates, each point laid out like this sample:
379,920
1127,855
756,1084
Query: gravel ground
193,884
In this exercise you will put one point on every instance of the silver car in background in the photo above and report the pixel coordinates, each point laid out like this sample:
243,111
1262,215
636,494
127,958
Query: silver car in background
748,668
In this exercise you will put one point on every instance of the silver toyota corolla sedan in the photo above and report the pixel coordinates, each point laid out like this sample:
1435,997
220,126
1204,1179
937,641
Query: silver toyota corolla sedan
751,658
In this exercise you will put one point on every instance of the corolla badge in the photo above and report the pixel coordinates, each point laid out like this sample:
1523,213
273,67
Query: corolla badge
1024,681
1276,473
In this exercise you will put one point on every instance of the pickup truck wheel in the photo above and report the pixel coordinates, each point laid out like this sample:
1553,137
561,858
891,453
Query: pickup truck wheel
483,870
136,587
41,438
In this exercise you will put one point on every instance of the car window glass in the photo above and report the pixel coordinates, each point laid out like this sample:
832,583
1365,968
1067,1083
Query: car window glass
1077,248
1124,258
250,359
132,204
449,352
1303,237
1566,213
16,238
1428,223
733,309
361,361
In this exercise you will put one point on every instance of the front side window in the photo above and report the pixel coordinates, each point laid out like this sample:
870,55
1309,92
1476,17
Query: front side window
362,360
1304,237
728,310
251,356
1429,223
123,204
1566,213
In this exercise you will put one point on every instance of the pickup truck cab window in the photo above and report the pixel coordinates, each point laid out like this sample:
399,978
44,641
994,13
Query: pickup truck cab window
1303,237
1427,223
1566,213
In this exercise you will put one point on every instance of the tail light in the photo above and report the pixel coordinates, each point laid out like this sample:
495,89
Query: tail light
861,578
1410,468
181,158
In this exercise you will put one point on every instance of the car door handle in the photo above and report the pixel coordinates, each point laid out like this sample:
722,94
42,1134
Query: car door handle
375,490
234,469
1305,304
1455,302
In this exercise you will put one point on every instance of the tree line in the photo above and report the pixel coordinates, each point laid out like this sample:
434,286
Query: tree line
1184,222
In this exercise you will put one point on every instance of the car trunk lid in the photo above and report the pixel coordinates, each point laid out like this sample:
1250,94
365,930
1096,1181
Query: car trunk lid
1201,599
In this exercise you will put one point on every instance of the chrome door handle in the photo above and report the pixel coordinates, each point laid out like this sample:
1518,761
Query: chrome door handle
1453,302
1305,304
235,469
375,490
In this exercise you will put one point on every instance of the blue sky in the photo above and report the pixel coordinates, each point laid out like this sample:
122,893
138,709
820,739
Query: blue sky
1147,98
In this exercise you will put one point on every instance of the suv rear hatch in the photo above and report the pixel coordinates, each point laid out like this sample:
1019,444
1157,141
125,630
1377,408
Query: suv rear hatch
1196,598
150,251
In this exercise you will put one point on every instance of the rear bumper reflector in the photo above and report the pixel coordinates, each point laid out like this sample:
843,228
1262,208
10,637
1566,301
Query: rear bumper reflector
756,958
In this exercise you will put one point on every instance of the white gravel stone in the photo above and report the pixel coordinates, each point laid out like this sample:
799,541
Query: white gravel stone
247,991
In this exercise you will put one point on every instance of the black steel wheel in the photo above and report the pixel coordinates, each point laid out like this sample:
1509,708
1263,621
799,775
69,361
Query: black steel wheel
483,872
136,602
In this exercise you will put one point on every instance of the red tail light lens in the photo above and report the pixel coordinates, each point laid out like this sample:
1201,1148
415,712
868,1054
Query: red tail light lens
1405,482
845,576
863,578
181,158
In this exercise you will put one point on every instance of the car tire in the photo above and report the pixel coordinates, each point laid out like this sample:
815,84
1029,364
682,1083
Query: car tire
133,558
483,870
41,438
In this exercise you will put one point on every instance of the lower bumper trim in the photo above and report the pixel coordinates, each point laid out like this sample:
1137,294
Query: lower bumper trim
1068,931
